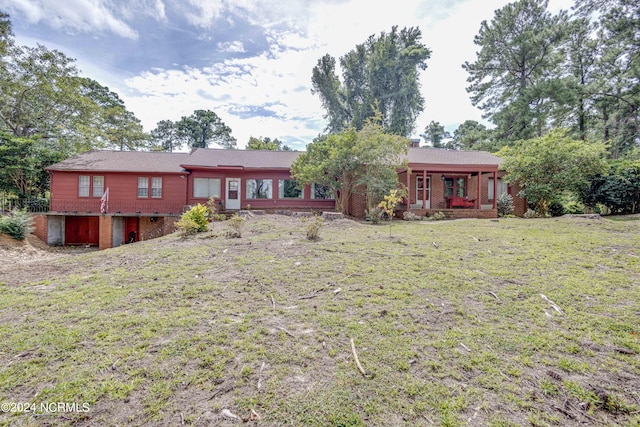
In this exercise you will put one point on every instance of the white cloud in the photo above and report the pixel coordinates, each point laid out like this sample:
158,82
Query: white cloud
206,12
232,47
78,15
274,86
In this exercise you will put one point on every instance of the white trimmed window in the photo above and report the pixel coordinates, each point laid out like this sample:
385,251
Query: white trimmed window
143,186
98,186
502,188
206,187
288,189
83,186
156,187
321,192
259,189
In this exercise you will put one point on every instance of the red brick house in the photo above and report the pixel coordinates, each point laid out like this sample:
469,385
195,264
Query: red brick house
462,184
108,198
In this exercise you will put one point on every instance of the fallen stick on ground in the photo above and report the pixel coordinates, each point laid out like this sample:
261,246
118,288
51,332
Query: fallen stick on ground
313,294
260,376
355,356
494,295
553,304
283,329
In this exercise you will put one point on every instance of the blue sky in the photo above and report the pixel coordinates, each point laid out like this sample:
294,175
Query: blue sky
250,61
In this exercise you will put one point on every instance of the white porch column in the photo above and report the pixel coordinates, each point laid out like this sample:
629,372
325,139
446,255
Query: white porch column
479,193
424,189
495,189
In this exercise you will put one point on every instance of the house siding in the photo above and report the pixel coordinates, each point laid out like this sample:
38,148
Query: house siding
123,193
78,220
271,204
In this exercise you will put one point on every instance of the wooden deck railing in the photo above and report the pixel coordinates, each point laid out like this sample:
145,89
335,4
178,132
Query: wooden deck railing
86,206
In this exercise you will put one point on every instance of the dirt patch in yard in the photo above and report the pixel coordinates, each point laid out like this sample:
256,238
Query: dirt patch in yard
29,260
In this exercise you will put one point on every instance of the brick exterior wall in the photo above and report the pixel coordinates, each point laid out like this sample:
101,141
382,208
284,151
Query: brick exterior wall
519,203
458,213
106,232
358,205
40,229
151,229
169,224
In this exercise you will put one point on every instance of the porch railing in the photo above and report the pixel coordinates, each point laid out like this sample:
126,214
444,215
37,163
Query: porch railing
30,204
124,207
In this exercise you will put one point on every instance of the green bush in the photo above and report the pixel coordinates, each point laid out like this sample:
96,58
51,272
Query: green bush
573,208
375,215
436,216
556,208
195,220
17,225
410,216
505,204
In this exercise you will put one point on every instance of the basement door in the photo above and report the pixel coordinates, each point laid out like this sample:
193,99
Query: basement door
233,194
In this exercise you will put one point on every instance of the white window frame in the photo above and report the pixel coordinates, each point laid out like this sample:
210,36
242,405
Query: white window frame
98,186
143,187
156,187
313,193
84,185
251,188
503,187
204,188
281,188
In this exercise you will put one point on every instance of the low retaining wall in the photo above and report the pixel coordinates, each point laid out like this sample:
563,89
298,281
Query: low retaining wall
457,213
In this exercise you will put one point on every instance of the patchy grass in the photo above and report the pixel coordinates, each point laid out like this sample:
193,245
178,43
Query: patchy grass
516,322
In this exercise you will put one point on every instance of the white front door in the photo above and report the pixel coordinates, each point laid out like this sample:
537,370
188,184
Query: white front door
419,191
233,194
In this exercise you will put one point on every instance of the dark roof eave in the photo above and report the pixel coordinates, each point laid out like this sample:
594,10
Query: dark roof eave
453,167
92,171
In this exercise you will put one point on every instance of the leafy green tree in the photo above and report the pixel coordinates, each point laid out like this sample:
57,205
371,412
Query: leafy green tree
514,79
22,163
618,189
615,91
579,71
48,113
379,74
107,120
435,135
166,136
6,34
471,135
353,161
550,165
266,144
204,127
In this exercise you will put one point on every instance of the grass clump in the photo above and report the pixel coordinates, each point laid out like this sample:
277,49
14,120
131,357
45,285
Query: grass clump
236,224
312,227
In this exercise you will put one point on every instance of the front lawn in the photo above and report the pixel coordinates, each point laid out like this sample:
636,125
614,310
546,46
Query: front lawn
468,322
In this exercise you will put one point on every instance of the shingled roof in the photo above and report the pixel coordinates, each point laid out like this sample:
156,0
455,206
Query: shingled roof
208,157
441,156
149,161
123,161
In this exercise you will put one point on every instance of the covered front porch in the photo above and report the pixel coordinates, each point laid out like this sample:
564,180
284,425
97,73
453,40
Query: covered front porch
458,191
